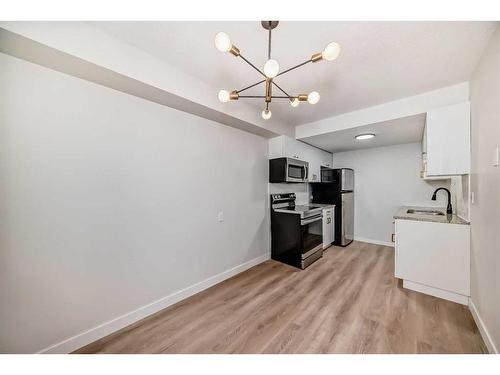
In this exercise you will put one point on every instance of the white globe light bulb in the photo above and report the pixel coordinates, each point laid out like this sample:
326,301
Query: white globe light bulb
313,97
331,51
294,103
271,68
222,42
224,96
266,114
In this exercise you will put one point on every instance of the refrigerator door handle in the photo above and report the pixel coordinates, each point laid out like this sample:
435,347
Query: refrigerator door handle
347,179
342,228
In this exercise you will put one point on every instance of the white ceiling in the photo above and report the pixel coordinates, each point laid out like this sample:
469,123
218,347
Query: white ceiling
380,61
402,130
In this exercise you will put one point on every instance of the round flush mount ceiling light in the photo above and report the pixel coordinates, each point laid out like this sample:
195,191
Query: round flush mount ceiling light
271,71
364,136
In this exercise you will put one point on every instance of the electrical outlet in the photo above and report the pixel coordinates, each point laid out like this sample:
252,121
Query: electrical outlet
220,216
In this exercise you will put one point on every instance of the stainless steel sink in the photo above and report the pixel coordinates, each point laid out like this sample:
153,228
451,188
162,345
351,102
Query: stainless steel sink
424,212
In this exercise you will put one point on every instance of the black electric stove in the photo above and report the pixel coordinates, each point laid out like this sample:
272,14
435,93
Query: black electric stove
296,231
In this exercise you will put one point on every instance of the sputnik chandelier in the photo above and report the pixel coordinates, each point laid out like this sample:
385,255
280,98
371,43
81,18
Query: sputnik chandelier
270,71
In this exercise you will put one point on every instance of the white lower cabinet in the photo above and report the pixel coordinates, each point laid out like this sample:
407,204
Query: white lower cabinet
434,258
328,227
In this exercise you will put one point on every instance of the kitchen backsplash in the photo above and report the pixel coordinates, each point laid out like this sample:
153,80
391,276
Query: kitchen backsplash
301,191
459,186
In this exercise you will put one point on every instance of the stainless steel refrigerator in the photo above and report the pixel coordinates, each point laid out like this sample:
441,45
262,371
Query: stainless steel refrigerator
340,192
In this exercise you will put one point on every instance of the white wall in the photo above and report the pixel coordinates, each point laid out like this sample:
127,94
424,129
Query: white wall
385,179
485,184
109,202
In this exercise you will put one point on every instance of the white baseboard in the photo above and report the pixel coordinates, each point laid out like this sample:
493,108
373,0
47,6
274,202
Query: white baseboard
93,334
482,328
376,242
436,292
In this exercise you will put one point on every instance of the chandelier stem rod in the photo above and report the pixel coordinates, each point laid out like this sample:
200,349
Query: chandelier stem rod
294,67
269,43
249,87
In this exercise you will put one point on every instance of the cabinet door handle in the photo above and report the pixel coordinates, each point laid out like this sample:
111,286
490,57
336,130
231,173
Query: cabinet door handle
393,237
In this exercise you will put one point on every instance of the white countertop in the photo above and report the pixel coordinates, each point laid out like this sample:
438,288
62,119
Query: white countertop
324,205
401,214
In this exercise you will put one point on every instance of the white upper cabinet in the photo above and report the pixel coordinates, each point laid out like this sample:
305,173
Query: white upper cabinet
311,155
276,147
317,158
326,159
284,146
446,143
294,149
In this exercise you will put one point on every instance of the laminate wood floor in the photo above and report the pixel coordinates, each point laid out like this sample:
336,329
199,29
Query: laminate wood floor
347,302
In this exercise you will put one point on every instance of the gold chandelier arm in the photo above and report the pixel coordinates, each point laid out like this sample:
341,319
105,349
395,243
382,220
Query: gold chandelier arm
295,67
283,91
274,83
281,73
249,87
263,97
257,69
252,65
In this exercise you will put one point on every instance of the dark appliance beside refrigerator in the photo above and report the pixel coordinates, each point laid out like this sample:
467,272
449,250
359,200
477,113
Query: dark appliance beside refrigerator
326,174
340,192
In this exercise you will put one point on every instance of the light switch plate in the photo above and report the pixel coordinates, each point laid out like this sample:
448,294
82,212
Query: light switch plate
220,216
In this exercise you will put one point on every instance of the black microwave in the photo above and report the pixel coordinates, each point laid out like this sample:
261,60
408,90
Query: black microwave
288,170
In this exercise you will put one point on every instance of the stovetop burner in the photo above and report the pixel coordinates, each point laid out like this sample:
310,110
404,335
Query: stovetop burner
286,203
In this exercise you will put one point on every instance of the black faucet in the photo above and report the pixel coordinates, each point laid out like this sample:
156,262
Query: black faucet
449,209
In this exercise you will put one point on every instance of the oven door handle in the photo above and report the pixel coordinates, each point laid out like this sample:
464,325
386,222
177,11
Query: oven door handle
311,220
